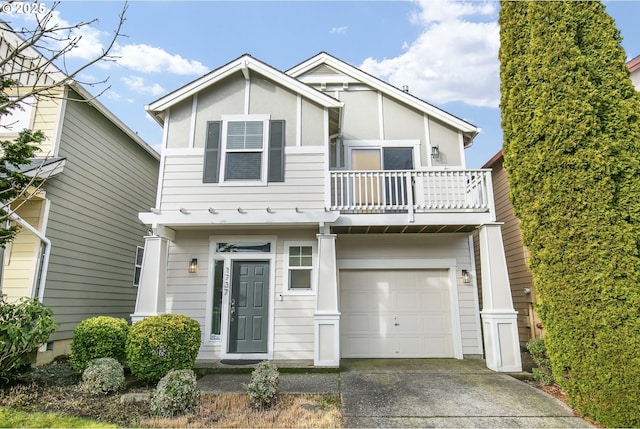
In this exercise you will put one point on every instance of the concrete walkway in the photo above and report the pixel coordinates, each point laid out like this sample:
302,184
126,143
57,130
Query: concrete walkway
443,393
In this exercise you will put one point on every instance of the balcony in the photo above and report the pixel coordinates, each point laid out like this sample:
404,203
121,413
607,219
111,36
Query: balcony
412,192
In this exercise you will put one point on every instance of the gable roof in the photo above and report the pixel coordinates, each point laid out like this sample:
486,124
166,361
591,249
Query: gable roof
468,129
634,64
52,74
246,64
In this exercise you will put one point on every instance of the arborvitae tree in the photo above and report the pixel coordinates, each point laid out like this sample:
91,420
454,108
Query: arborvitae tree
571,126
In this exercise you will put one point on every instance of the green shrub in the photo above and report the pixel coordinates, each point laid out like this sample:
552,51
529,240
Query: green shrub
161,343
102,375
263,388
572,154
537,350
98,337
176,393
24,325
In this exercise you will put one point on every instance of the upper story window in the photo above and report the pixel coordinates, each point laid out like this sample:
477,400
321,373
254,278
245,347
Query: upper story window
246,149
19,118
244,152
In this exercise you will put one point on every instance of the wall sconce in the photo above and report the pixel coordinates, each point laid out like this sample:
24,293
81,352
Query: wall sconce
466,277
435,152
193,266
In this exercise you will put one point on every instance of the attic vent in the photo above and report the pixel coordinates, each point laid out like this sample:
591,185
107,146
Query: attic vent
405,88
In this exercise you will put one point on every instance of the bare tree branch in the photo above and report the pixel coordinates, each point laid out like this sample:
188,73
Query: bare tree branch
26,59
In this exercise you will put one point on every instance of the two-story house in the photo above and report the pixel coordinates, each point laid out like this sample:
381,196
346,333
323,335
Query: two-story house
321,213
79,235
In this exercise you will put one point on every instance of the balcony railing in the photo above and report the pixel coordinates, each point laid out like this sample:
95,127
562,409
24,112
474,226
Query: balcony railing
411,191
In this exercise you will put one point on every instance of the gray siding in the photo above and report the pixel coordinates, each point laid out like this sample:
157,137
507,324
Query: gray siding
108,179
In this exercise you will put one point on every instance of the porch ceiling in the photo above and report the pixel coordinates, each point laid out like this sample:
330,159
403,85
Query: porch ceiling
401,229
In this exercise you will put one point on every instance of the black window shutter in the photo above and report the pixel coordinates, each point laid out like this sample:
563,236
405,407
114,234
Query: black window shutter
276,151
212,153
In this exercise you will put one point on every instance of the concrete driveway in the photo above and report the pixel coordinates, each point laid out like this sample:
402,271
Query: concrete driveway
444,393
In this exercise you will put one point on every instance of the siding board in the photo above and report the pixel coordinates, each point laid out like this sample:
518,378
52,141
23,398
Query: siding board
108,179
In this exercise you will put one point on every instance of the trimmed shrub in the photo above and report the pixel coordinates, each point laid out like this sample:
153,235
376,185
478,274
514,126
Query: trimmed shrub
102,376
24,325
98,337
263,388
176,393
537,350
161,343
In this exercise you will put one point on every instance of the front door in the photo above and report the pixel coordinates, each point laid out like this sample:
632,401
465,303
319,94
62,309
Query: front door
249,307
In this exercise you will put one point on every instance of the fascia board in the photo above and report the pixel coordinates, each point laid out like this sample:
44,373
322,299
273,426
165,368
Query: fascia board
238,65
299,87
324,58
93,101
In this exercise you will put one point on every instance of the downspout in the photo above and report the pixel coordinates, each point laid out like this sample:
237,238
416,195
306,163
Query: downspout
45,257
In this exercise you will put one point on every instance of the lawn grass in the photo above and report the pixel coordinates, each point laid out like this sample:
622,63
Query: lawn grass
10,418
48,396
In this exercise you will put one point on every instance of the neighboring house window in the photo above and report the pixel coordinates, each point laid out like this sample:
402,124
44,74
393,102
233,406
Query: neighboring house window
138,265
244,149
300,267
19,118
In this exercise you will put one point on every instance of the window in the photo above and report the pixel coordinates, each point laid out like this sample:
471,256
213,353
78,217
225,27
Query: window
244,149
138,265
216,311
19,118
300,269
243,247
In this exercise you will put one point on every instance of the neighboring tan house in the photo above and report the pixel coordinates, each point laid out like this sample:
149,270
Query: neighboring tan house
319,214
634,69
79,234
520,277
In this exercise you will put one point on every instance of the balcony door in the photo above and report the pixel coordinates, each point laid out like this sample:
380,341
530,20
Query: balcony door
366,186
376,189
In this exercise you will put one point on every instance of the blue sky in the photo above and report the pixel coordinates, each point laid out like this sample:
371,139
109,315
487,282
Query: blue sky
444,50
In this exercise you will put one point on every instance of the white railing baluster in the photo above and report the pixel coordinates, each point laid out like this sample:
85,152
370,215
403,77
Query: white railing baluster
411,191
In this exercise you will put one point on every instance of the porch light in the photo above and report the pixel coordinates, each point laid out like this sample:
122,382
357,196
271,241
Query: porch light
193,266
466,276
435,152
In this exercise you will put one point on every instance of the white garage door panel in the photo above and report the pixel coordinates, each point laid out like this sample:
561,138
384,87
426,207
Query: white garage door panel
395,313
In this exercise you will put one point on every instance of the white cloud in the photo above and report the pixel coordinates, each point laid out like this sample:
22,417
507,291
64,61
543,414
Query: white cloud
454,59
138,85
110,94
338,30
87,38
137,57
149,59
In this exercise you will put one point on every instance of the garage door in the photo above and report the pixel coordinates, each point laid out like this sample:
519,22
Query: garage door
395,313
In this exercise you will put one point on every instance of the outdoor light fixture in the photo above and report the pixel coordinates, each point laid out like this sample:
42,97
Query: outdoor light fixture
435,152
466,276
193,266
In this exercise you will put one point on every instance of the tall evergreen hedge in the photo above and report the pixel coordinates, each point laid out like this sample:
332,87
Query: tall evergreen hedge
570,118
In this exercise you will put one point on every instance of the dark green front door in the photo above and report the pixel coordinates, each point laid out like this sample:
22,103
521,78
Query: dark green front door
249,312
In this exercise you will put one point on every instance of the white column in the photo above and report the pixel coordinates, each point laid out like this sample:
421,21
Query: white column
499,319
326,319
151,299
